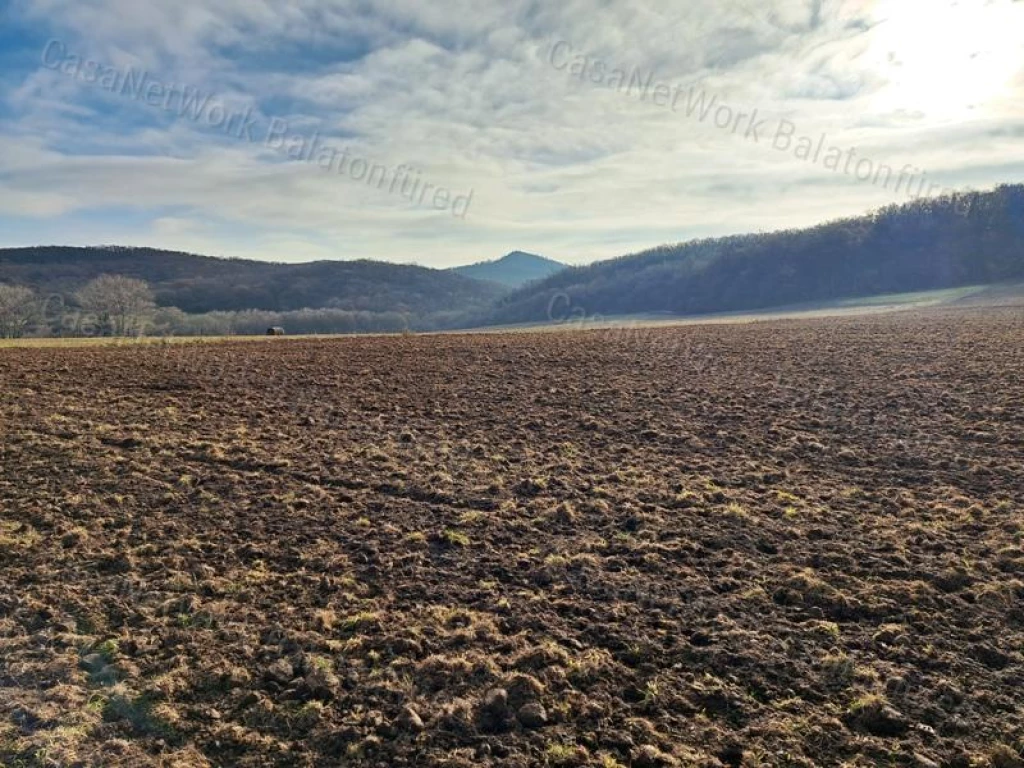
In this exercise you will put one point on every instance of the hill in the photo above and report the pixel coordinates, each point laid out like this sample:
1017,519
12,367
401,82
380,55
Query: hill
965,239
198,284
514,270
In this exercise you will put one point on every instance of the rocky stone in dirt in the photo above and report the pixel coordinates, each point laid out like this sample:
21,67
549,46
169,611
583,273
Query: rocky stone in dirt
533,715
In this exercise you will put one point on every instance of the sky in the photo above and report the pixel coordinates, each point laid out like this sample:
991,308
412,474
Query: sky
453,131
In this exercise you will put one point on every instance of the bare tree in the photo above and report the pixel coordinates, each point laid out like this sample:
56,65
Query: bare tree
18,308
122,305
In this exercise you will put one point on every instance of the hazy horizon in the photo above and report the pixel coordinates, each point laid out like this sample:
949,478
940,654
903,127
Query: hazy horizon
483,260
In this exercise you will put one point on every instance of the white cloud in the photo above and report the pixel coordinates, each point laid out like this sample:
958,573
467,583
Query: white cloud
465,92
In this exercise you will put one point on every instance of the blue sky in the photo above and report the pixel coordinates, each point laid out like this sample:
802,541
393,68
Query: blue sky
579,130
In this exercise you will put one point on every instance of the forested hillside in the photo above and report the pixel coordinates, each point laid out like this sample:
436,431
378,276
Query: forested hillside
198,284
966,239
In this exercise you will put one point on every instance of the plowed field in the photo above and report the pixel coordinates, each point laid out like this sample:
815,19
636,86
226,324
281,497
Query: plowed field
774,544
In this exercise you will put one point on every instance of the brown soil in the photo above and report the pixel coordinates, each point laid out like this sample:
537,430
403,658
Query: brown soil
776,544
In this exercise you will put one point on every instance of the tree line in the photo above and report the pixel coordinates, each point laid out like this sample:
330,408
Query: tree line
115,305
110,305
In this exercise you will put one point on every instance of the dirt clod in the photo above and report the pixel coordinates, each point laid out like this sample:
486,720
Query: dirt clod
320,683
880,719
532,715
281,672
410,720
494,714
649,756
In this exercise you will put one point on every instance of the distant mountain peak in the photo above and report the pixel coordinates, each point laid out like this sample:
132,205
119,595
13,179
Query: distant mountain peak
513,270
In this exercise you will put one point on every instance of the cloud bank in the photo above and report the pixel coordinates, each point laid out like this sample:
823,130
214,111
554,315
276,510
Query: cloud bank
579,130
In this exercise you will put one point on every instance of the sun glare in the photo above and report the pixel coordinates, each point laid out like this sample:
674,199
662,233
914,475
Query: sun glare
945,59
